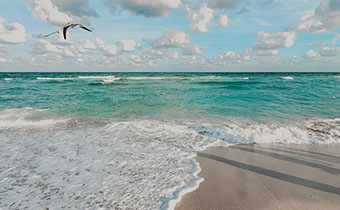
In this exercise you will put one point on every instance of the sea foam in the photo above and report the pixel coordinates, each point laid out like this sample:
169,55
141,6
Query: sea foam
138,164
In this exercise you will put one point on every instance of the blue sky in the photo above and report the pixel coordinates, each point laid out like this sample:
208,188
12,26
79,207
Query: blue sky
171,35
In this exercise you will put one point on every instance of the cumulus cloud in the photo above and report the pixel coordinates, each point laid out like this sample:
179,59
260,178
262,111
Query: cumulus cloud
89,45
200,17
326,17
273,41
330,52
176,39
60,12
147,8
128,45
265,49
192,49
231,57
52,51
223,4
107,49
224,21
160,53
79,8
11,33
312,54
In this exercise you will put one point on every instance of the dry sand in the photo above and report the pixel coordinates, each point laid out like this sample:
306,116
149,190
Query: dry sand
280,177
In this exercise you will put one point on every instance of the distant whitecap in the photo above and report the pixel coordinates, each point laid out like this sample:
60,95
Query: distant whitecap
289,78
55,78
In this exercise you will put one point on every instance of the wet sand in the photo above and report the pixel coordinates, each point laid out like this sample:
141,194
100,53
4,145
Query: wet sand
280,177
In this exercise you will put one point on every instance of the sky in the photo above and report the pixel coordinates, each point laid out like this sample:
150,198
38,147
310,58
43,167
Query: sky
171,35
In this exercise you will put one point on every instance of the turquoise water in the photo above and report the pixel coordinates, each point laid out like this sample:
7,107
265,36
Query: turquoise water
128,140
254,95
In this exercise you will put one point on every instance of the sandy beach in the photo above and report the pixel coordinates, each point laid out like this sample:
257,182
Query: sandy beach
273,176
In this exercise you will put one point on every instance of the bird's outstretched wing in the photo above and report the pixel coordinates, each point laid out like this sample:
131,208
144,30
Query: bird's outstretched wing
51,33
83,27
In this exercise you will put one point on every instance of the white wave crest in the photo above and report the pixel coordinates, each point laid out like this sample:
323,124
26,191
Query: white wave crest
288,78
110,81
8,79
208,77
319,131
26,117
97,77
153,78
55,78
105,79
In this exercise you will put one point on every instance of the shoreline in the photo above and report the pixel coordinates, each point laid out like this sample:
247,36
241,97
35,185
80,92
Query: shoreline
266,176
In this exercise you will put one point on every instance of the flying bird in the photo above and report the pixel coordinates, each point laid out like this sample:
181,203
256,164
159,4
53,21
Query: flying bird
66,27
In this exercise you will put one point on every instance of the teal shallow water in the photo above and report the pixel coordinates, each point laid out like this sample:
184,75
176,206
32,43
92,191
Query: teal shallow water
253,95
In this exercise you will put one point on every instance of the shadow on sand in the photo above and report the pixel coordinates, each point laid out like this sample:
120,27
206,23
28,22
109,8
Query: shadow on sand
278,156
274,174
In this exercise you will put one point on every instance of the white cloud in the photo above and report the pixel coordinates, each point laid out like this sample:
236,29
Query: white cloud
55,51
136,59
326,17
12,33
176,39
160,53
200,17
107,49
266,52
147,8
223,4
312,54
128,45
47,12
273,41
224,21
89,45
60,12
231,57
192,49
78,8
329,52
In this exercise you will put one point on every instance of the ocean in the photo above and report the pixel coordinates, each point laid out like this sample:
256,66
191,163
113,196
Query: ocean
128,140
